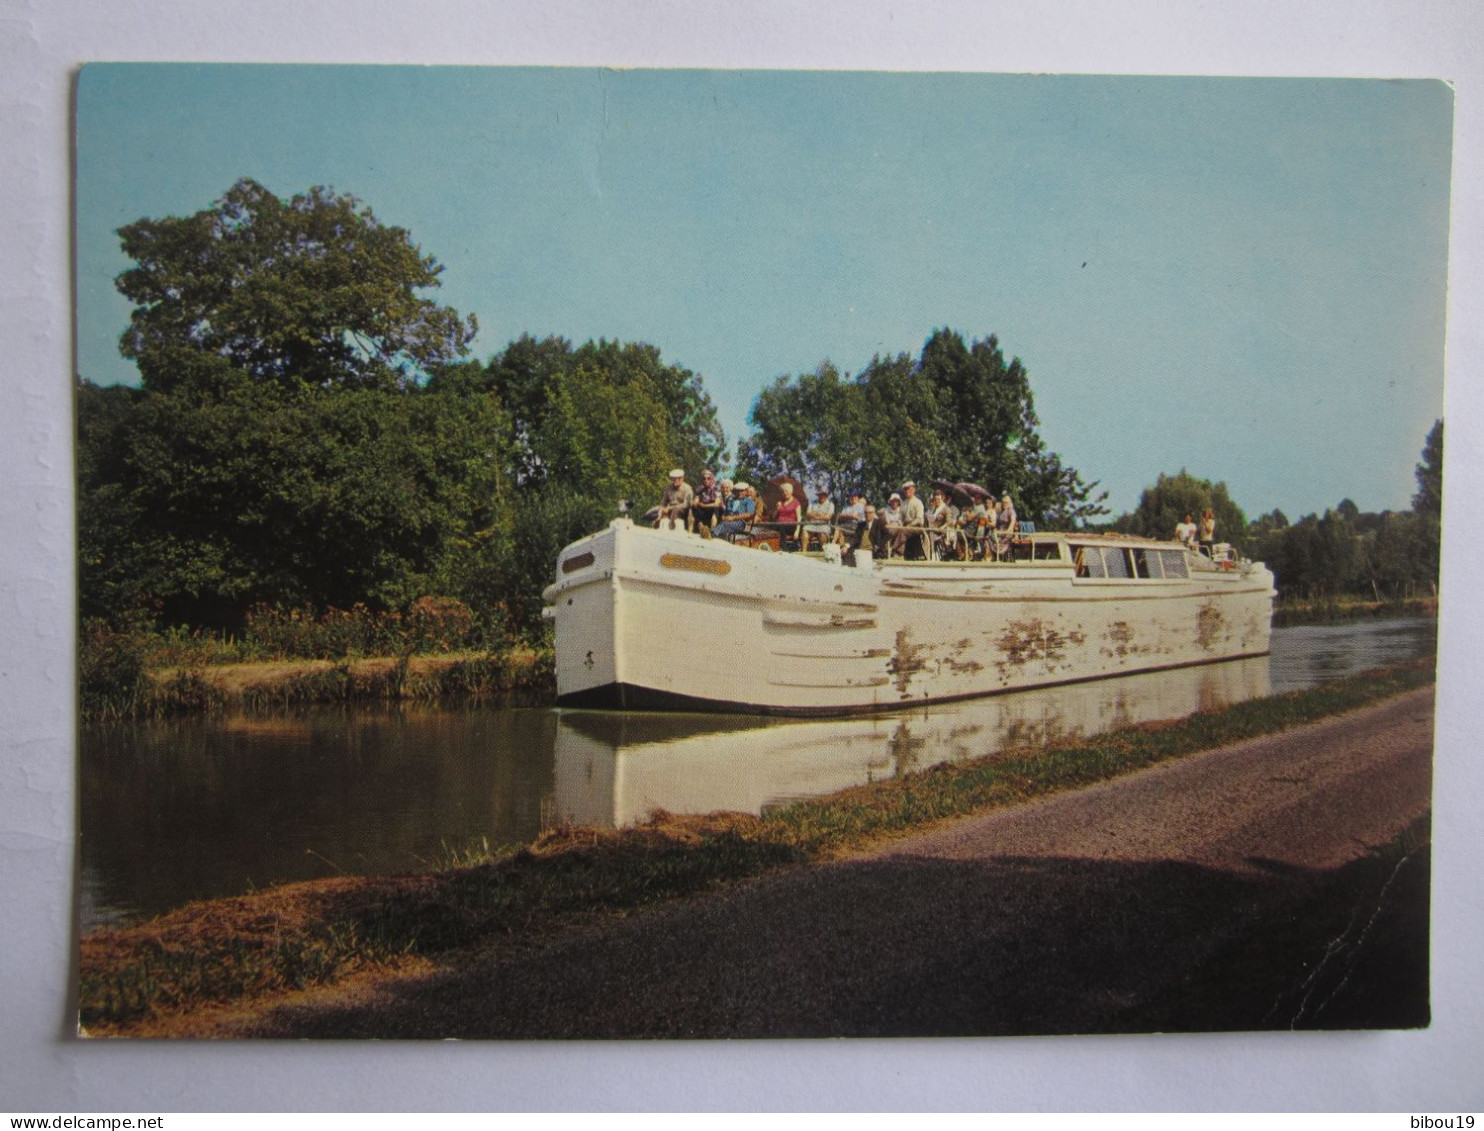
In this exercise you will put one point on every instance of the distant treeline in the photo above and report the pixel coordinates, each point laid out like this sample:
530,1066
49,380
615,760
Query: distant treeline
1386,556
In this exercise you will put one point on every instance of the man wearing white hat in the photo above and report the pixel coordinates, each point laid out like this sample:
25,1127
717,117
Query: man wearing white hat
741,510
676,498
819,519
913,515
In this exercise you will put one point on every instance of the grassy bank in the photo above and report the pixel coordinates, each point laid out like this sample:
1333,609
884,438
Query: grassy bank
279,684
1318,610
290,656
151,978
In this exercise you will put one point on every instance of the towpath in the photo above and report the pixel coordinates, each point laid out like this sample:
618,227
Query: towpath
1239,888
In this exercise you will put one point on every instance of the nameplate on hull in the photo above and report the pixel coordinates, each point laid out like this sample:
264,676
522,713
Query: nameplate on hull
696,565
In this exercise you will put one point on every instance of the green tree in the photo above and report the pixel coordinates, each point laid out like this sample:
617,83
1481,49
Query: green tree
986,412
603,440
307,294
197,510
1320,556
1395,565
1427,504
958,412
1429,497
1264,540
1347,550
695,435
815,429
1172,497
533,378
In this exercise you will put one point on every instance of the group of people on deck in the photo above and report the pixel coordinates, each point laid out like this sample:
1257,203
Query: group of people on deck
1204,536
906,527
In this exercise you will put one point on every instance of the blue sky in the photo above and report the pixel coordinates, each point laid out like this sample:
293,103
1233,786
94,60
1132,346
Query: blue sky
1242,277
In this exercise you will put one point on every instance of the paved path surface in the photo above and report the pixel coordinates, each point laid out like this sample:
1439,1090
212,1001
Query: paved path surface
1233,889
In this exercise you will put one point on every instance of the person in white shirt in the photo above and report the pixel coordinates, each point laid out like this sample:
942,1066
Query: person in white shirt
913,514
939,513
1208,533
818,518
1185,533
857,508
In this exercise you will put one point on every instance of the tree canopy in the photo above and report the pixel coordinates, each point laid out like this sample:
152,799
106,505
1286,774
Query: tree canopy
311,431
583,416
309,293
1427,504
1429,497
196,511
1172,497
958,412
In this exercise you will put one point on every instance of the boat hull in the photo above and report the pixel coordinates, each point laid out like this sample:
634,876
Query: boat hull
655,619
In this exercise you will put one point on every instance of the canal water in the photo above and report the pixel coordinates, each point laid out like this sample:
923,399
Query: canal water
193,808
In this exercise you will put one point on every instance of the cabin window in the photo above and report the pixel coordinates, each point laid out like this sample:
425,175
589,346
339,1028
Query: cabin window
1128,562
1045,551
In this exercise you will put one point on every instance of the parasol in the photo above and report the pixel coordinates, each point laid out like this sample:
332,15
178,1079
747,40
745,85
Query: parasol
947,486
772,493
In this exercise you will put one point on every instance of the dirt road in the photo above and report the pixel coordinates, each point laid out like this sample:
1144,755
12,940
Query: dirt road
1278,883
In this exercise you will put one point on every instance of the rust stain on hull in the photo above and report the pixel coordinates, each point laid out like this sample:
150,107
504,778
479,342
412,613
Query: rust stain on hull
1032,641
1209,625
960,664
1121,637
1252,632
906,661
1121,640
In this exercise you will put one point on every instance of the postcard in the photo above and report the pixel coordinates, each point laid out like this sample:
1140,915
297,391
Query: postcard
586,553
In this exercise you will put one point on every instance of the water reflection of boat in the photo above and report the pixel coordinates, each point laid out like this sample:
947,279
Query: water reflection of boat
614,768
660,619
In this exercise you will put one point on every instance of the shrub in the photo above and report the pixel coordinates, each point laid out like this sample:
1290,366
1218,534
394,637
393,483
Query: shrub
111,671
438,624
430,624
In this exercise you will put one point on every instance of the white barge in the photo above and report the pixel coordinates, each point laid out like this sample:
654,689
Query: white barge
661,619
